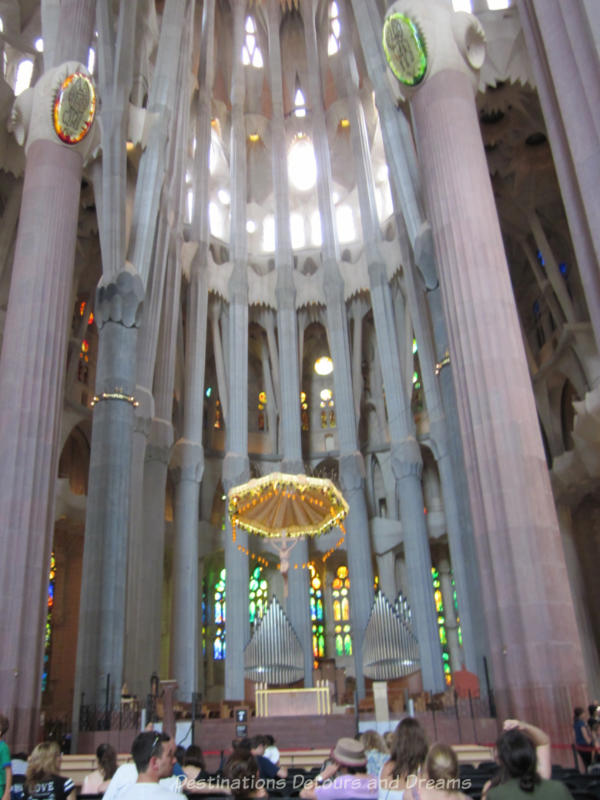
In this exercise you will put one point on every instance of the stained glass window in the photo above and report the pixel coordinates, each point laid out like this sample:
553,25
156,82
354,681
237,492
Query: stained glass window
262,405
316,613
258,590
441,621
341,612
251,54
48,628
219,616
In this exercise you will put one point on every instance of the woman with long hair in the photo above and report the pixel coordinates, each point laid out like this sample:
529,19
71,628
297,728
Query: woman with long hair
524,765
42,781
97,781
408,752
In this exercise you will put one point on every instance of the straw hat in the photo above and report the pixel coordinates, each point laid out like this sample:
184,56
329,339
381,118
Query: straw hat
349,753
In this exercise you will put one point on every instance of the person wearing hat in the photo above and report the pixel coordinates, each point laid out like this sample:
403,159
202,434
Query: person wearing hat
345,777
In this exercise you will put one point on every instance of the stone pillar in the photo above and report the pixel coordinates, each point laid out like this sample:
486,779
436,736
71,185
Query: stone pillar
351,466
562,44
536,655
100,643
187,621
32,372
298,600
406,455
235,467
424,300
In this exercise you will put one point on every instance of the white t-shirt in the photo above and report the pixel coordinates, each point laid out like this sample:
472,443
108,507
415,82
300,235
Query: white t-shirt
272,753
146,791
127,776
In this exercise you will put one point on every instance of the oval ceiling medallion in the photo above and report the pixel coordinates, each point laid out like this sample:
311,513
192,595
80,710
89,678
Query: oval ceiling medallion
74,108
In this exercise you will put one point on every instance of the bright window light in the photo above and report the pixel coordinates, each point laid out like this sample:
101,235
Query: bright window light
496,5
316,235
297,230
39,45
268,241
251,54
190,205
299,104
224,197
333,43
463,5
302,167
345,224
250,226
324,365
24,73
1,25
91,60
215,217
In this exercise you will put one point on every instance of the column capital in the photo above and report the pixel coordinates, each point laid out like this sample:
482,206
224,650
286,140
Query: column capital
406,458
424,37
33,113
187,462
160,441
119,298
235,470
352,471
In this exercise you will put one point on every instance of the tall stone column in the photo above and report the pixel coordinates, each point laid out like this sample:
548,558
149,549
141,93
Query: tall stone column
424,300
101,639
351,465
298,601
236,467
189,453
32,372
407,462
562,44
536,655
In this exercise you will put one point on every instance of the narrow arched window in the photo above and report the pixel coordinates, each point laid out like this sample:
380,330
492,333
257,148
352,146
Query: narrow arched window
341,612
335,30
251,55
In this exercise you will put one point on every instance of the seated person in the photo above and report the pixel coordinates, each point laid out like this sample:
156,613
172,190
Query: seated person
267,770
440,779
408,751
271,749
584,741
523,755
96,782
345,777
241,776
42,781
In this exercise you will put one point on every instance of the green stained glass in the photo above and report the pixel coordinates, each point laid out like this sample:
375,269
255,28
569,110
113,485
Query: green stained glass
405,49
339,645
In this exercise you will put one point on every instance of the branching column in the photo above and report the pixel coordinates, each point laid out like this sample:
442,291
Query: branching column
32,372
536,655
298,603
235,466
407,463
101,641
189,453
351,465
427,313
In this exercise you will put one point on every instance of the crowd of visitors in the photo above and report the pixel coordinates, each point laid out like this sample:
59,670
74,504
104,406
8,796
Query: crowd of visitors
400,766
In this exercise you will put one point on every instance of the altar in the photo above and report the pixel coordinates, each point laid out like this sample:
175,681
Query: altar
293,702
